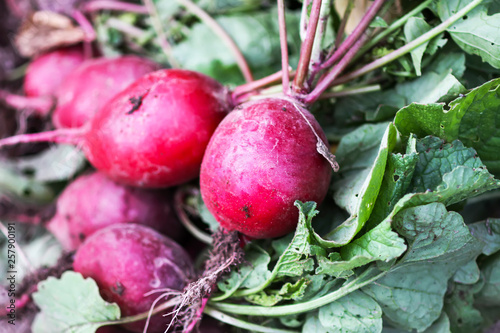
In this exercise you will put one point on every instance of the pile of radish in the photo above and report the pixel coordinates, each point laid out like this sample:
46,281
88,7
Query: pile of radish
143,129
150,134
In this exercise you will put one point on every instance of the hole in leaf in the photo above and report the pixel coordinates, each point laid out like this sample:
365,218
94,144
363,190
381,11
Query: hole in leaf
396,178
28,171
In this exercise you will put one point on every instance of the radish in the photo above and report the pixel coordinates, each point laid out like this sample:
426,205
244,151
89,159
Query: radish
93,84
261,159
154,133
43,77
93,202
127,261
45,74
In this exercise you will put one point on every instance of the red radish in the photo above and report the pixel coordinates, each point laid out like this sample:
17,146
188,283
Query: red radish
43,77
45,74
260,160
129,260
154,133
93,84
93,202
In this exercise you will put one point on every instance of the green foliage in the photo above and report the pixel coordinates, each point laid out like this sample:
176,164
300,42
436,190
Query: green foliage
71,304
472,119
254,34
475,33
411,294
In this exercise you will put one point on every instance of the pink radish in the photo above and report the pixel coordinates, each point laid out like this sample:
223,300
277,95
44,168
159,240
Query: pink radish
45,74
43,77
128,261
92,202
93,84
154,133
260,160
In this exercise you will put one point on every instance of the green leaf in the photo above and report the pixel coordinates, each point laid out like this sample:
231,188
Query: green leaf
380,243
255,35
58,163
414,28
313,324
252,274
289,291
460,184
71,304
358,192
411,294
397,178
432,232
489,232
378,22
442,325
359,149
490,293
468,273
205,214
356,312
438,83
472,119
436,158
22,189
459,305
295,260
477,32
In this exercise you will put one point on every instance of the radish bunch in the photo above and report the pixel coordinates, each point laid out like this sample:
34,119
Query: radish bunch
153,134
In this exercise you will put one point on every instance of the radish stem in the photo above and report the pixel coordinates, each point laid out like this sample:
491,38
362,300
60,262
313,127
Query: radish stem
317,51
306,48
86,26
41,105
284,47
97,5
410,46
220,316
343,23
162,37
370,275
351,91
223,35
200,235
327,80
14,8
355,35
304,19
257,84
394,26
125,27
73,136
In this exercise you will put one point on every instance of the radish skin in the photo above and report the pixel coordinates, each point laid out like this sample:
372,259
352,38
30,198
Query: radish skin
261,159
154,133
128,261
45,74
108,203
93,84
